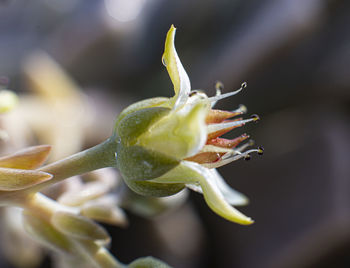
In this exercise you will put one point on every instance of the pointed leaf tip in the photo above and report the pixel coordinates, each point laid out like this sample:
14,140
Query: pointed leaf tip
79,226
43,231
18,179
28,158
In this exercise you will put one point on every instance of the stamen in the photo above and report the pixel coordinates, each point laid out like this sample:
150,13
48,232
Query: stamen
221,132
255,117
217,127
216,149
245,146
247,157
210,154
217,116
205,157
219,86
260,150
226,143
218,92
229,94
227,160
242,109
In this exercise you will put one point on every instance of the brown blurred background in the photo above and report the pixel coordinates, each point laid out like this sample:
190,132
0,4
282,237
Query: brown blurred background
295,57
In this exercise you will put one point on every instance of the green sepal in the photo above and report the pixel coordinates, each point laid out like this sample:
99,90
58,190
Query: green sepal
148,103
154,189
137,163
148,262
136,123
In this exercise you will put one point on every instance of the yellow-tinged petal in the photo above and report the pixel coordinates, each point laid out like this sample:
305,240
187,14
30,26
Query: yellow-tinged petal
8,100
193,173
17,179
28,158
232,196
178,134
177,73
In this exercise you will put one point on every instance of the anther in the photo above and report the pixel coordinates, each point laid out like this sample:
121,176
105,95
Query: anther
247,157
255,117
244,85
241,109
251,142
219,85
192,93
260,150
226,95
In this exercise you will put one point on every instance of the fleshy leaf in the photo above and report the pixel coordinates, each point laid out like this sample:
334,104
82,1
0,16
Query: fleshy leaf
193,173
87,192
177,73
28,158
18,179
78,226
104,213
45,233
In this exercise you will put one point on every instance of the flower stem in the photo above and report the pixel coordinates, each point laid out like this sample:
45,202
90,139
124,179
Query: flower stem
99,156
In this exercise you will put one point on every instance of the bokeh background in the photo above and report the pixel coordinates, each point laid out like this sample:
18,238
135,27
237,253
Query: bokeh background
295,57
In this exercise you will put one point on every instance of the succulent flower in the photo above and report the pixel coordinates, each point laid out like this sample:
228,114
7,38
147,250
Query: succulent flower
166,144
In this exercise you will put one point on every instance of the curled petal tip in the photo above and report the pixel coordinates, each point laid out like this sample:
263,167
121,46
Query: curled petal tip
177,73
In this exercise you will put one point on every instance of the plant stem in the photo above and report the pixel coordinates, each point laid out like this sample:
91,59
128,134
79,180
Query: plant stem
99,156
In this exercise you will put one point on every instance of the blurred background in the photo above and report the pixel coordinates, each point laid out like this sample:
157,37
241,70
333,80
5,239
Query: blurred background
295,57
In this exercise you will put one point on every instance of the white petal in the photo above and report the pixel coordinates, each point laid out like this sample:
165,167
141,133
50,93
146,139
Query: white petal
232,196
192,173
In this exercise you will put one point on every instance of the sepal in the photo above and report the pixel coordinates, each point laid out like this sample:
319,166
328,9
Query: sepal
148,262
